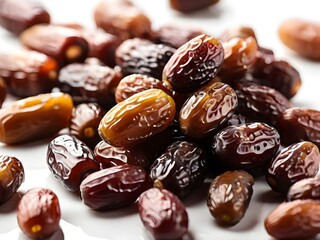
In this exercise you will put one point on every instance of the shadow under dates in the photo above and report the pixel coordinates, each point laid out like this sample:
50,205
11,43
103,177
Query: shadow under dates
116,213
199,196
56,236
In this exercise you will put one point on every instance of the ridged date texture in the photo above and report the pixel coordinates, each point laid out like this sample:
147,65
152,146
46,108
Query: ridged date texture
137,118
292,164
181,169
207,109
229,197
114,187
194,63
163,214
11,177
307,188
70,161
38,213
295,220
246,146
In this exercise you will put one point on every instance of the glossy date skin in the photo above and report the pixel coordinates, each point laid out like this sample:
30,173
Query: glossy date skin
181,169
70,161
194,64
307,188
114,187
39,213
294,220
11,177
28,73
292,164
137,118
163,214
35,118
207,109
229,197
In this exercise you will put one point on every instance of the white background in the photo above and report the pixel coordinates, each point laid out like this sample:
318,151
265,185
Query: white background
79,222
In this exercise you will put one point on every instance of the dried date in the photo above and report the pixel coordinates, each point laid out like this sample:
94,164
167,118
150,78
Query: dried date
188,6
307,188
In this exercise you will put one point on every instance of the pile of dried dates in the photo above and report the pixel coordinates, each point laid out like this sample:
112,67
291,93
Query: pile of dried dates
137,115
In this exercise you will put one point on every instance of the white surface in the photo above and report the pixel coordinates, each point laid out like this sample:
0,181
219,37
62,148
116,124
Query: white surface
79,222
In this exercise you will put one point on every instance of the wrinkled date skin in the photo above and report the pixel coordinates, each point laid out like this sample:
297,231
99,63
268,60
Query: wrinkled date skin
28,73
70,161
35,118
38,213
194,64
188,6
181,169
307,188
142,56
246,146
301,36
85,122
299,124
136,83
137,118
90,83
229,197
292,164
11,177
260,103
66,45
295,220
207,109
16,16
114,187
163,214
109,15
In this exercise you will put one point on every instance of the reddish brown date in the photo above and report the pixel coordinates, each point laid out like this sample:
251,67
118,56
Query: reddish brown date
307,188
35,118
16,16
187,6
295,220
237,32
38,213
207,109
109,15
194,64
137,118
114,187
136,83
66,45
28,73
299,124
163,214
292,164
229,197
11,177
70,161
3,91
246,146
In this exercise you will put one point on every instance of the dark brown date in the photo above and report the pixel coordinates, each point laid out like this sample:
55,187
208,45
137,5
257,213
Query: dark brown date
11,177
114,187
64,44
109,15
295,220
187,6
229,197
137,118
3,91
246,146
260,103
307,188
292,164
236,120
35,118
38,213
70,161
299,124
136,83
181,169
163,214
90,83
85,122
194,64
16,16
142,56
28,73
207,109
